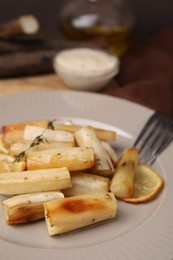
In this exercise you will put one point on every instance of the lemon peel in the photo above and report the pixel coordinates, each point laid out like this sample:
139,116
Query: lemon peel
147,184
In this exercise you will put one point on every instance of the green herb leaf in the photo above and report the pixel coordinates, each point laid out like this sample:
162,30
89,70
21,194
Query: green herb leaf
39,139
50,124
19,157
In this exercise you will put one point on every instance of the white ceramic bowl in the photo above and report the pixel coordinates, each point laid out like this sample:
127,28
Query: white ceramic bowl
85,68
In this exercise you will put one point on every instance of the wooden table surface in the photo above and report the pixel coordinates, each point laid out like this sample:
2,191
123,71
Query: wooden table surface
37,83
33,83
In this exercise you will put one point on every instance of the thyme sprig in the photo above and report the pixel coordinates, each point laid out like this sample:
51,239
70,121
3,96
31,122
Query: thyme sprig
38,140
51,125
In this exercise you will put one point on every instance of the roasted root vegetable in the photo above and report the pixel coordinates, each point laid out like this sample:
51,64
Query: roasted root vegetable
74,158
6,157
129,155
13,132
86,137
34,181
32,132
22,25
28,207
102,134
79,211
122,183
68,174
86,183
6,166
111,152
3,148
25,145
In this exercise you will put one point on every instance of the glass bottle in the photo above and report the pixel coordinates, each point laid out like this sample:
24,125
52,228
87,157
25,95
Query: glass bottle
109,22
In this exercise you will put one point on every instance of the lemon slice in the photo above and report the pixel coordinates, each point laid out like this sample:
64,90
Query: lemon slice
147,184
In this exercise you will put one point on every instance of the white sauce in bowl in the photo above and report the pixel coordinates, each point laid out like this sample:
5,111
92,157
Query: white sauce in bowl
85,68
87,61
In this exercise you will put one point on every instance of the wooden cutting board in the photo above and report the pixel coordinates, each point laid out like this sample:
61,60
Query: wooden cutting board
39,83
33,83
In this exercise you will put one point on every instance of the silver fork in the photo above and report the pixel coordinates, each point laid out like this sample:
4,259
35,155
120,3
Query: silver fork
154,137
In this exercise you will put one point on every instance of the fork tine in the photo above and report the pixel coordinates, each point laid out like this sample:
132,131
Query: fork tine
151,142
148,131
148,124
150,134
155,136
165,142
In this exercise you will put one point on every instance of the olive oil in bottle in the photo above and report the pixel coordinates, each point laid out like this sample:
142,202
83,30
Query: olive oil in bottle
109,22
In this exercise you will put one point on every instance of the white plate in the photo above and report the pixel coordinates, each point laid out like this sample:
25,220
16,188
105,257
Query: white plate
139,232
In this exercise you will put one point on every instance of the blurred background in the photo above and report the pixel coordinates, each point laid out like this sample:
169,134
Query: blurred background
146,68
151,15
